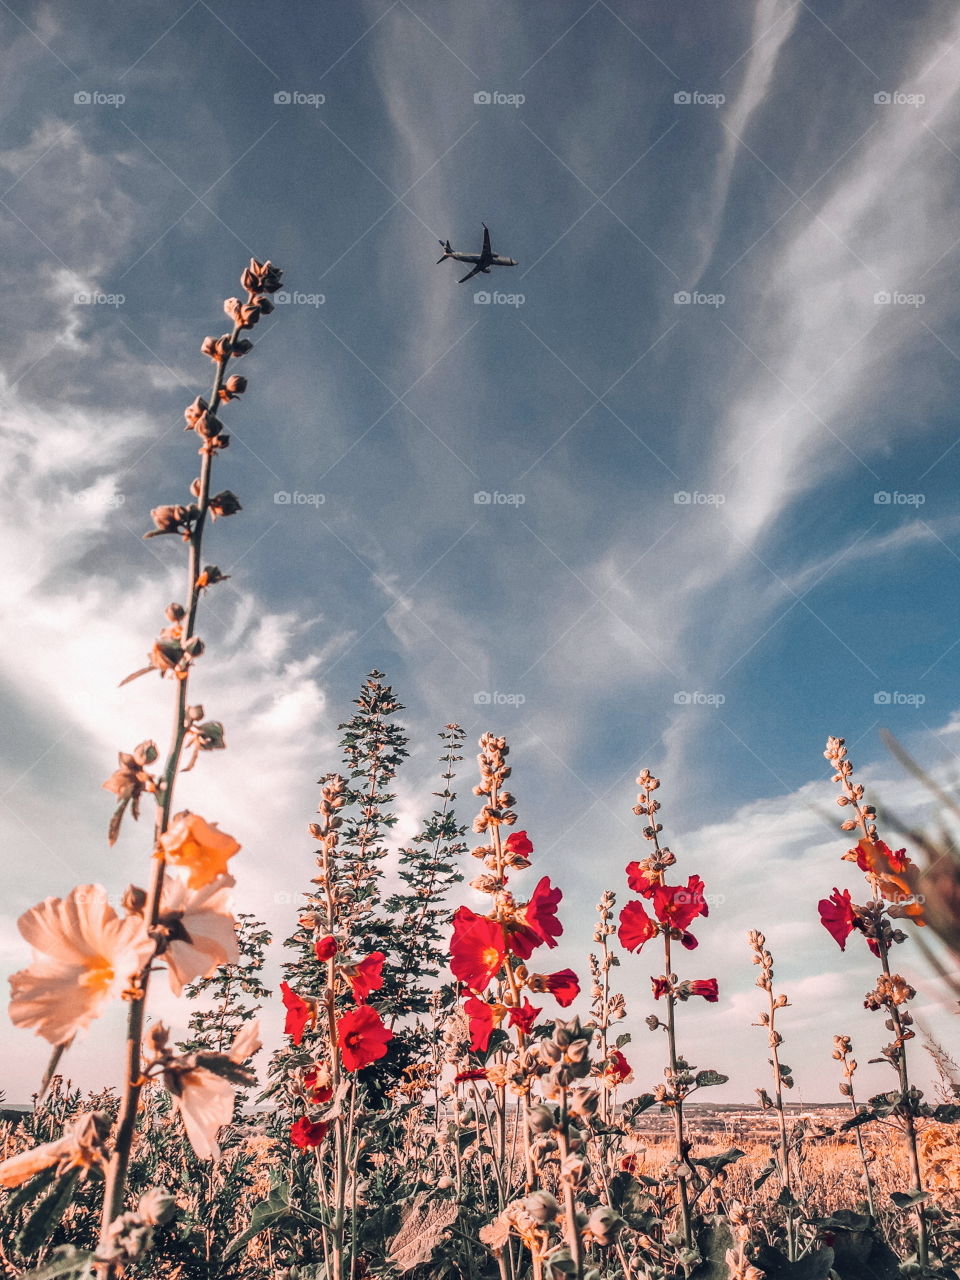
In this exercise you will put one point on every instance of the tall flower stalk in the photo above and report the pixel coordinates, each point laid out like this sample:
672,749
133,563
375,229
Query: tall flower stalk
887,873
174,653
675,908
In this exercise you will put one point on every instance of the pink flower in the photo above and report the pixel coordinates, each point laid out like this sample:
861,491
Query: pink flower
86,955
838,916
205,1100
197,848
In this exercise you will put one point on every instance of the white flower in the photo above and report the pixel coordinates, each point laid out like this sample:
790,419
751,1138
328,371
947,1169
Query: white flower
203,930
86,955
203,1097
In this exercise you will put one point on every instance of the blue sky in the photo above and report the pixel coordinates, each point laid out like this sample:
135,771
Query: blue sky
792,168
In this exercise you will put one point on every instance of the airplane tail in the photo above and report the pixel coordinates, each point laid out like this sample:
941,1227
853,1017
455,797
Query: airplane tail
447,250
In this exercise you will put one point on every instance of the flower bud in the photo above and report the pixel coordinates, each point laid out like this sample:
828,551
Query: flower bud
541,1206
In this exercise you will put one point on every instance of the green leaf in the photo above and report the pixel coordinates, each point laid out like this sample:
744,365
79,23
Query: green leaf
46,1215
862,1117
705,1079
906,1200
268,1213
28,1191
721,1159
947,1113
626,1037
67,1263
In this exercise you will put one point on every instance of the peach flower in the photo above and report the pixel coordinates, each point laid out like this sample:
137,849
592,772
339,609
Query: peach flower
198,848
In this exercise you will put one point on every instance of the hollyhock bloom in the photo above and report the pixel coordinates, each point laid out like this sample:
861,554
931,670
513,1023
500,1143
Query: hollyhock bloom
477,1073
362,1037
204,1099
81,1147
639,881
325,948
706,987
617,1069
876,858
524,1017
317,1086
198,848
838,916
661,987
85,954
366,976
540,912
482,1022
678,905
564,986
202,930
636,927
305,1133
299,1013
517,843
477,950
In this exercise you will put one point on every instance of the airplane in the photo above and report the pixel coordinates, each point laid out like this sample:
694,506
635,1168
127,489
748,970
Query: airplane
484,260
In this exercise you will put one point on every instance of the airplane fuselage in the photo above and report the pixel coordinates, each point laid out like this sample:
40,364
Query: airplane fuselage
496,261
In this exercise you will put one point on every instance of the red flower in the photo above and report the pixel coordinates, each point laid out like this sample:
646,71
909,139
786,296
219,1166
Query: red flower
877,858
636,927
326,947
661,987
524,1017
366,976
362,1037
706,987
540,912
689,941
299,1013
677,905
518,843
639,881
838,916
481,1023
306,1133
317,1093
564,986
478,1073
477,949
617,1068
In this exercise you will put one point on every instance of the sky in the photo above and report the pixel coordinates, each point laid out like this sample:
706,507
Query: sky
676,492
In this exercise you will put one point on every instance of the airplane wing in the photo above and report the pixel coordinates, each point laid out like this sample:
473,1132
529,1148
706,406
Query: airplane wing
486,240
469,275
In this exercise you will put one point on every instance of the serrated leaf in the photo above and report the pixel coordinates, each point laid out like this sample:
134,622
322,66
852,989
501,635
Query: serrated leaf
704,1079
907,1200
46,1214
721,1159
625,1038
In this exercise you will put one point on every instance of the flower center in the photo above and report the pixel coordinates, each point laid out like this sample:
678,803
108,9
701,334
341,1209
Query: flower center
98,974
